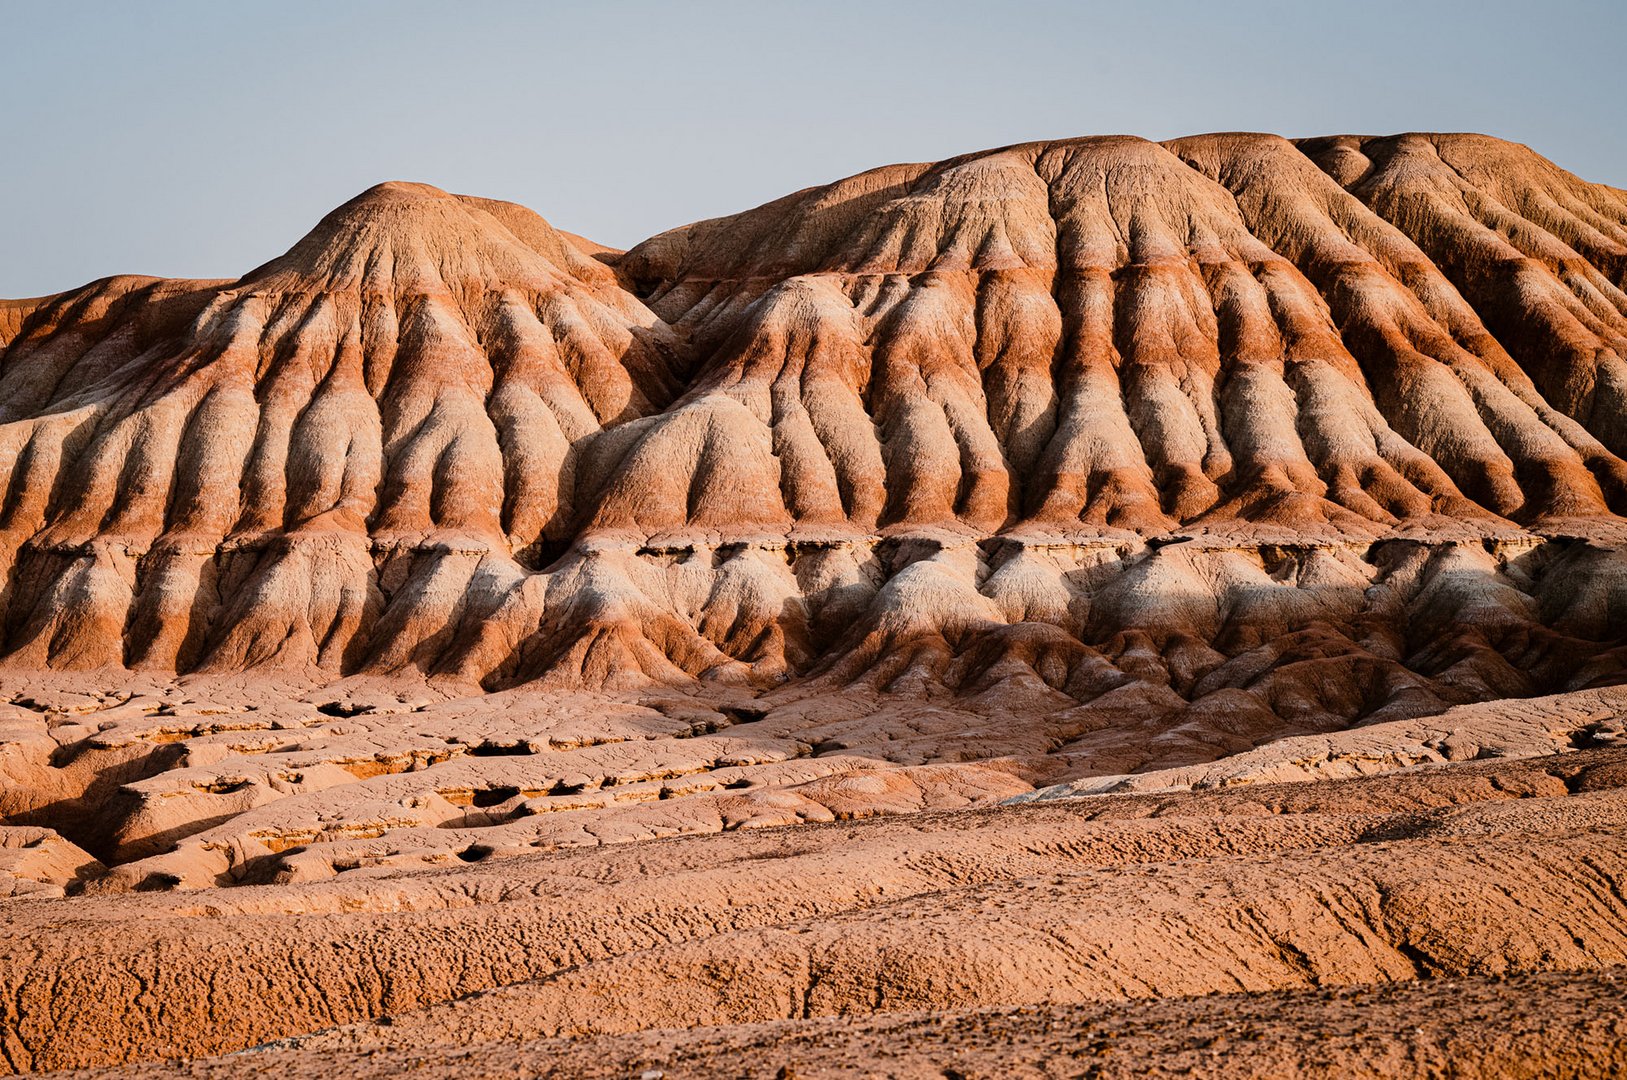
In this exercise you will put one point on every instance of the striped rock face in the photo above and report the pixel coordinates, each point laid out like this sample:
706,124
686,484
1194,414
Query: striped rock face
1060,461
927,401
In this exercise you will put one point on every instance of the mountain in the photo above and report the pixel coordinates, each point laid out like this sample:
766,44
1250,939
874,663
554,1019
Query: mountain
1082,500
1082,458
980,400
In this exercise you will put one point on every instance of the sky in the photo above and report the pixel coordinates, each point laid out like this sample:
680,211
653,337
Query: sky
199,139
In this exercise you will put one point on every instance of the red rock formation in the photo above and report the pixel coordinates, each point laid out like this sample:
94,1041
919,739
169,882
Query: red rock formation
1096,467
926,407
1146,453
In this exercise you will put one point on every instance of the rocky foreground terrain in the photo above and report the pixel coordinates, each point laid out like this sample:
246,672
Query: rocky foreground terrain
963,614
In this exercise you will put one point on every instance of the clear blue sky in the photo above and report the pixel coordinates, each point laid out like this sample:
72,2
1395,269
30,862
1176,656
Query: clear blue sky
199,139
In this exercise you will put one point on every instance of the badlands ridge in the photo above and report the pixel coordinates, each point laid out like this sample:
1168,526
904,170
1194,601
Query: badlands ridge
1084,468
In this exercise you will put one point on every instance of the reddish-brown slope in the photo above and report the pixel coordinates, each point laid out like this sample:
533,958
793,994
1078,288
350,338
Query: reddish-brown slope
1550,1025
1066,468
1081,458
440,435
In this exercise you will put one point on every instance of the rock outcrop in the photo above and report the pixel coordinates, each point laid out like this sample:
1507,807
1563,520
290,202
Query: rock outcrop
1083,500
1043,466
1431,880
932,420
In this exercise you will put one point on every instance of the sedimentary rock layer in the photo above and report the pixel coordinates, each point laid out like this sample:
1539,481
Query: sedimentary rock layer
923,422
1126,484
1064,466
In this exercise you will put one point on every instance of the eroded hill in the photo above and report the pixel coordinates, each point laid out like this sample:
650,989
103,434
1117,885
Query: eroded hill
869,428
1124,479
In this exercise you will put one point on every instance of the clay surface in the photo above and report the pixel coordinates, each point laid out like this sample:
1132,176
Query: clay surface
1479,871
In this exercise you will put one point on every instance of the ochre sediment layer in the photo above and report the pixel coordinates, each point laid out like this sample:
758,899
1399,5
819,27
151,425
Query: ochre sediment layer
924,402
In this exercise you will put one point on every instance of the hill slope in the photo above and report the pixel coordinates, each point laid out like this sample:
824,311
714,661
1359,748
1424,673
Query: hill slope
1056,462
1082,500
439,435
